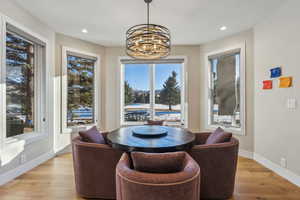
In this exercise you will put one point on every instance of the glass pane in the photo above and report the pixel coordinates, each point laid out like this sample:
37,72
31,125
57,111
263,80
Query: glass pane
19,85
137,93
80,91
225,94
168,93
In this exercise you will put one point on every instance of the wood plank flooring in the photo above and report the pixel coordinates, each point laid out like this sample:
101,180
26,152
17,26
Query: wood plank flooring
54,180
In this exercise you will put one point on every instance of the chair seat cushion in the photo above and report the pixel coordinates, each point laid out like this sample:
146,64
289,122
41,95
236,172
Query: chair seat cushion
218,136
158,162
92,135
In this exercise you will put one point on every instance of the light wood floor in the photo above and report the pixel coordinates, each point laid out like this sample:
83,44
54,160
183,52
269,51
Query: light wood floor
54,180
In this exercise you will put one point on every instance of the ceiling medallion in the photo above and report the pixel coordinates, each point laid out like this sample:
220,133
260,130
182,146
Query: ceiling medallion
148,41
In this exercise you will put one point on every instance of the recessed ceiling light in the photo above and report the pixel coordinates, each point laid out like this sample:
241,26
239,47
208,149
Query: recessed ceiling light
84,30
223,28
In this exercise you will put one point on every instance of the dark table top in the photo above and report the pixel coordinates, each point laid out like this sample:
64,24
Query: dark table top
176,139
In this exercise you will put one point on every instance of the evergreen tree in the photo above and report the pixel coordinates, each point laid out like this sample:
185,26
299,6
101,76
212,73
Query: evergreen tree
170,94
129,94
141,96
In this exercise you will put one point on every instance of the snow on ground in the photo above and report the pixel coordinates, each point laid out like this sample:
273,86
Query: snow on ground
157,106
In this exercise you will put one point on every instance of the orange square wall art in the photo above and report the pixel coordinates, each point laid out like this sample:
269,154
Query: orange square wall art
267,84
285,82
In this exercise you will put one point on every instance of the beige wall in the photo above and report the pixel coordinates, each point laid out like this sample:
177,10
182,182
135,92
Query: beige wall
62,140
277,43
112,66
246,141
42,146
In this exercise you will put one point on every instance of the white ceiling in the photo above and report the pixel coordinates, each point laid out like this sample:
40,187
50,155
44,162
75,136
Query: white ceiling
190,21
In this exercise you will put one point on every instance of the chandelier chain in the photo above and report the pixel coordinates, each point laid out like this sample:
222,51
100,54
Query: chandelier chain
148,13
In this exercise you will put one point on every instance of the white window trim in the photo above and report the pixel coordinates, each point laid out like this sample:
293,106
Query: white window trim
64,91
208,126
42,126
184,94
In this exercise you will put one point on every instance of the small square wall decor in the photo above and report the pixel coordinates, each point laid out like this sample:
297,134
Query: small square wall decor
275,72
285,82
267,84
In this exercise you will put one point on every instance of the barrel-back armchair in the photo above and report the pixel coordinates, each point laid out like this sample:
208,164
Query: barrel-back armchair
218,164
136,185
94,168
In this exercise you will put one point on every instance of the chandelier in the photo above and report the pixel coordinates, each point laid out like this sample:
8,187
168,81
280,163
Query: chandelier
148,41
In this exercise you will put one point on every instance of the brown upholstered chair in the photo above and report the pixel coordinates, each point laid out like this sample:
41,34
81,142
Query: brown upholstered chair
136,185
155,122
94,167
218,164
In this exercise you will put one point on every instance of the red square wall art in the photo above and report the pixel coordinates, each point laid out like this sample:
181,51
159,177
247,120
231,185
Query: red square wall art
267,84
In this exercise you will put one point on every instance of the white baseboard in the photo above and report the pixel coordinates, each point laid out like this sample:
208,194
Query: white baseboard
285,173
14,173
67,149
246,154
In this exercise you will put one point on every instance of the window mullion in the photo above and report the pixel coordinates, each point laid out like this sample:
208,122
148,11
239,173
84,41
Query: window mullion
40,90
2,85
182,95
95,90
152,90
37,91
210,105
122,89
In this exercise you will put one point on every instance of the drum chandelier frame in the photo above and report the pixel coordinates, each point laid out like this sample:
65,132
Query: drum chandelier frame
148,41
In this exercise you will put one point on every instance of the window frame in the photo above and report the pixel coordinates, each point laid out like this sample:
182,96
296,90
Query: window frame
208,125
41,81
64,90
184,95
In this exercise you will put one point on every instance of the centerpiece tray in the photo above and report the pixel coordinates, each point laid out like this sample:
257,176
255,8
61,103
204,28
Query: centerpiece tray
149,131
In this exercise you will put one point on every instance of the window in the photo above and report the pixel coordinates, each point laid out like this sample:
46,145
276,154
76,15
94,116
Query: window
79,93
137,93
225,103
168,93
153,91
25,61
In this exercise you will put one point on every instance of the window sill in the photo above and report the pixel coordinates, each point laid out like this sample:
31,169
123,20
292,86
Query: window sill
76,129
27,137
236,131
133,123
145,123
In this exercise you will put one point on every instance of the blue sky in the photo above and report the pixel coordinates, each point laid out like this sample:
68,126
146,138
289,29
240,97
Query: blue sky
137,75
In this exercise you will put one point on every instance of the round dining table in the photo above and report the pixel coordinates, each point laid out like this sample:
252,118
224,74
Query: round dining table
151,139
